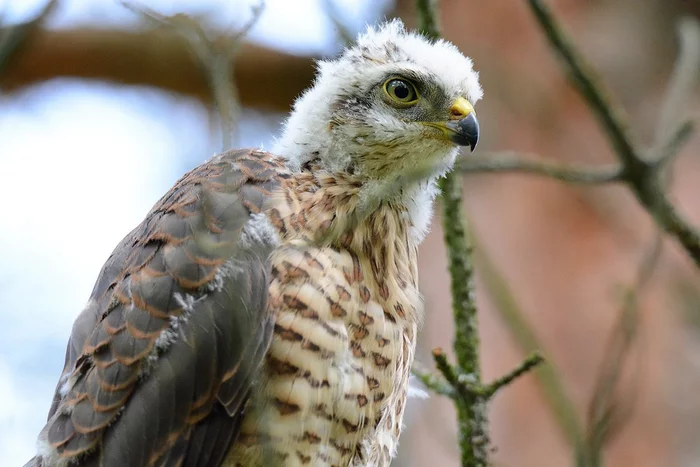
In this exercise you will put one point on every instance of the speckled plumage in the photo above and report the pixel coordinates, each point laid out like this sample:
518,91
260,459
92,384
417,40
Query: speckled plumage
265,311
346,320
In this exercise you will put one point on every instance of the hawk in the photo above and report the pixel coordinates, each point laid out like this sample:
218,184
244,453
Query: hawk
265,311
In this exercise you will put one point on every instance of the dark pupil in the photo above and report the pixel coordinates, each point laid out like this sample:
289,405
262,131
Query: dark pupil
401,90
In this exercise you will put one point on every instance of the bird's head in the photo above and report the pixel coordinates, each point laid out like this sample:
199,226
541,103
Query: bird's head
393,103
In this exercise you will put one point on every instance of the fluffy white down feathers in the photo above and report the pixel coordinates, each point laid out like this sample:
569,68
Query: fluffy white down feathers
379,51
379,133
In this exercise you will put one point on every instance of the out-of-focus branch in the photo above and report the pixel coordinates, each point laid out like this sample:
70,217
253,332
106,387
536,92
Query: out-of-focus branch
609,409
267,79
335,15
14,37
683,81
556,396
512,162
642,174
673,131
668,145
430,380
587,83
216,57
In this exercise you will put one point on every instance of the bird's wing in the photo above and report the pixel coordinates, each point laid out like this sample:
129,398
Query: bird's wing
161,361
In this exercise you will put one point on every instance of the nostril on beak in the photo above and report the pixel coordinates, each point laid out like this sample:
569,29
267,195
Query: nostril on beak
456,114
460,108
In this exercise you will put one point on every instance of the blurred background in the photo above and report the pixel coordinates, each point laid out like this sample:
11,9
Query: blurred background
102,110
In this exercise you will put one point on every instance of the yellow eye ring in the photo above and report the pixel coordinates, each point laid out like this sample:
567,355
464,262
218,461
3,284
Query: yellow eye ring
400,91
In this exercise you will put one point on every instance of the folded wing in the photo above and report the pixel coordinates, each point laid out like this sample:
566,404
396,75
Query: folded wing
161,362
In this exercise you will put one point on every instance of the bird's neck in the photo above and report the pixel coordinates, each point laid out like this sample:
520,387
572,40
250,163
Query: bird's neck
332,206
322,210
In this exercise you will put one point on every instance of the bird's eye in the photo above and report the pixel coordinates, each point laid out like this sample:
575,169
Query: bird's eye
401,91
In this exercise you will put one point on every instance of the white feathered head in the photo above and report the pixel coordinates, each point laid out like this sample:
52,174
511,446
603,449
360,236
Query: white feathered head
392,102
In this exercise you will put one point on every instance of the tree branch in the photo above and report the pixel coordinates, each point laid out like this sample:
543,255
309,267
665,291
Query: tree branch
642,175
467,391
471,408
683,81
587,83
461,387
13,38
549,379
511,162
431,381
157,58
216,56
608,409
669,149
526,365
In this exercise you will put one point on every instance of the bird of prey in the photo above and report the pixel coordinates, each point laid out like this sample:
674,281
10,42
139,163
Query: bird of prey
265,311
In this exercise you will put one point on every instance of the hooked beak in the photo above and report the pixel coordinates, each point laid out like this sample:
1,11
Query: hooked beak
462,128
464,131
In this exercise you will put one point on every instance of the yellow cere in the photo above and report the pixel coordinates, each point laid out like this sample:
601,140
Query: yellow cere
460,108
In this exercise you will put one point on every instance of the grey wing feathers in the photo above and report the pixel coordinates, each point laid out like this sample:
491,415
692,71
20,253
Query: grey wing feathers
160,363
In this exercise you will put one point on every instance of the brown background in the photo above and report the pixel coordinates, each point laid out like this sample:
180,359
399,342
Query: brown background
566,252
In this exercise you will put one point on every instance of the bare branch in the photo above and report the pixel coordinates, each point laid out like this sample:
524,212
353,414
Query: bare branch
671,143
587,83
12,38
682,83
609,410
550,381
433,382
465,387
157,58
428,19
526,365
511,162
471,407
335,15
216,56
642,176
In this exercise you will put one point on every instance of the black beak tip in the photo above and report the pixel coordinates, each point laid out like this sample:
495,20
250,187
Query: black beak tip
467,132
470,127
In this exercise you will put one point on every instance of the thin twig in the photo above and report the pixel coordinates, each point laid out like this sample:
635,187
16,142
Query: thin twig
431,381
335,15
556,395
641,175
428,19
511,162
609,410
526,365
464,388
683,81
681,86
587,82
216,56
669,145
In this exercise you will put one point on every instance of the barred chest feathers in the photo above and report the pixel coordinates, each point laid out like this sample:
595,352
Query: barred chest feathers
336,375
266,309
